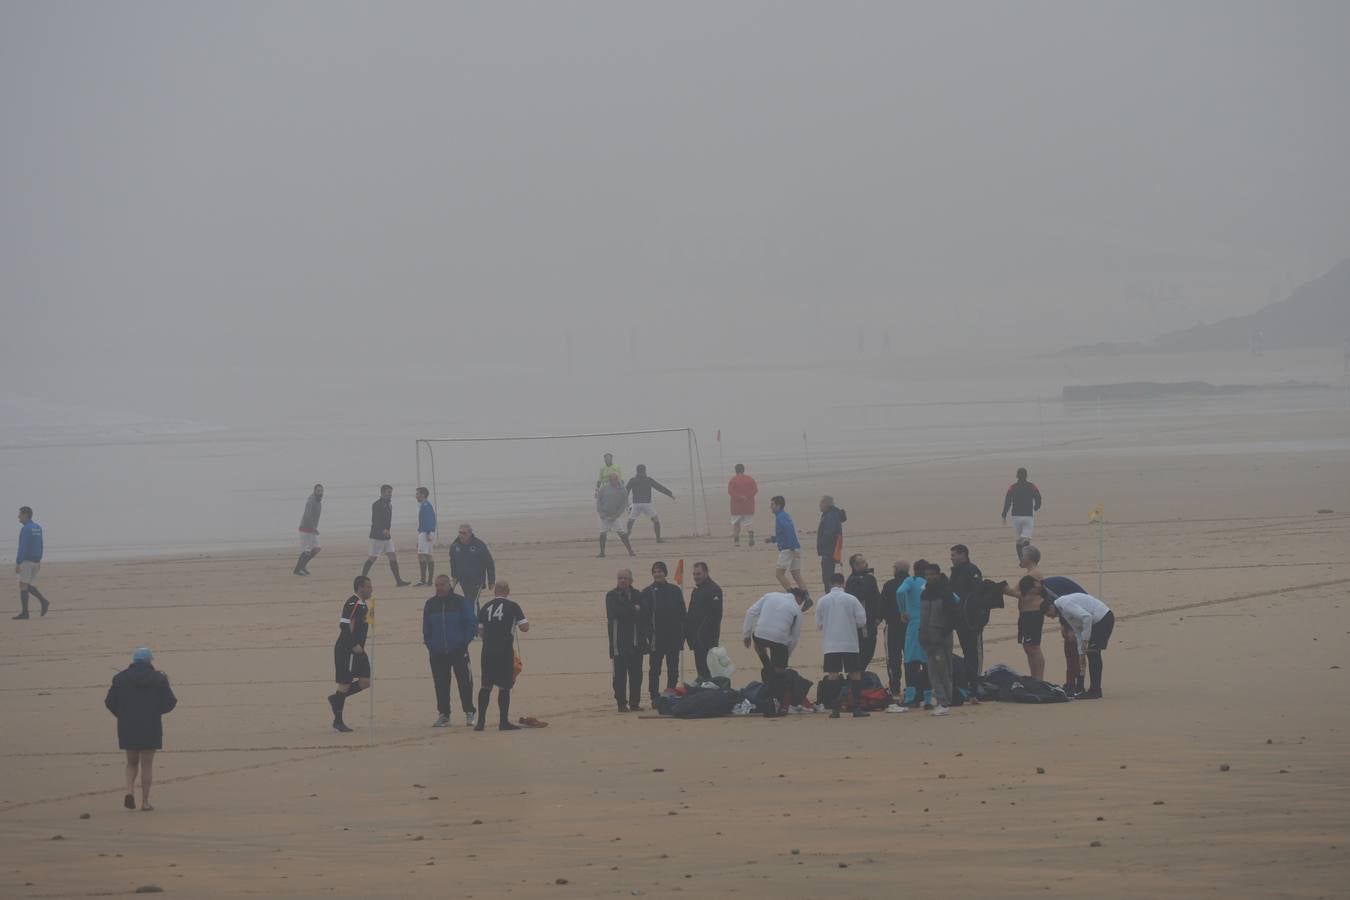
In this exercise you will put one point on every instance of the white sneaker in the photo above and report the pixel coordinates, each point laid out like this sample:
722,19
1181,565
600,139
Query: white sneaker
796,710
895,708
441,722
941,711
472,720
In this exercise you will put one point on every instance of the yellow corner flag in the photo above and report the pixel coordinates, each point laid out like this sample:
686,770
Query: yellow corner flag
1098,513
370,613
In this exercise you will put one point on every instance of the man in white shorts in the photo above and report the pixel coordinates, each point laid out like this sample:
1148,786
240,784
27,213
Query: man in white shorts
426,537
309,530
640,486
1023,499
611,504
789,545
29,561
381,520
742,489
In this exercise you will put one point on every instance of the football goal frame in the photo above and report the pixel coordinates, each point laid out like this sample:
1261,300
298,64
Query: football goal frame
697,488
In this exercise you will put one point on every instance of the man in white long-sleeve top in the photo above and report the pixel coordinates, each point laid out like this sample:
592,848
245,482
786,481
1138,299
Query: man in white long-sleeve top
842,619
773,626
1091,622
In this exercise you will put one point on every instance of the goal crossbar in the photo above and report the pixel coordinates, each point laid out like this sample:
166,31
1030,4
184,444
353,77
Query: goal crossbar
691,437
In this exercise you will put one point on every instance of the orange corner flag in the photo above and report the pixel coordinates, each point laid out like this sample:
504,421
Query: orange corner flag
679,573
838,548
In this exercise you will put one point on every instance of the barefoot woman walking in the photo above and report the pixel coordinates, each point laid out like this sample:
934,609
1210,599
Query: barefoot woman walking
139,696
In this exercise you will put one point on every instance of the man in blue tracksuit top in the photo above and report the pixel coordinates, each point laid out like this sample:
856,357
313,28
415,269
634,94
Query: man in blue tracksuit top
426,537
448,624
789,546
29,561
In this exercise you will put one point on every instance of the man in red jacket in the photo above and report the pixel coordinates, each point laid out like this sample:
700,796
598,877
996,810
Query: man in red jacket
742,489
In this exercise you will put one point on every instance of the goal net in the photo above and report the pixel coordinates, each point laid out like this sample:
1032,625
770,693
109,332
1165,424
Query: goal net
544,484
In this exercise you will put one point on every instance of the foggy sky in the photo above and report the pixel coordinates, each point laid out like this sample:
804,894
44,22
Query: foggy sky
238,184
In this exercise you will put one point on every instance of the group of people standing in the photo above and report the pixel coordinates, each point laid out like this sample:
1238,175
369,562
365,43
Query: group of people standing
450,623
926,612
471,564
653,625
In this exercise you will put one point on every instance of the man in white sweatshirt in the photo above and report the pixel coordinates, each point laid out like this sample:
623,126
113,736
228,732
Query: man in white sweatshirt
842,620
773,626
1092,622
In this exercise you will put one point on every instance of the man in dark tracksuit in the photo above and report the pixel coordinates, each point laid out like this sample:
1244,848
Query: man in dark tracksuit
895,629
448,625
828,534
863,585
703,624
666,602
629,622
471,565
968,583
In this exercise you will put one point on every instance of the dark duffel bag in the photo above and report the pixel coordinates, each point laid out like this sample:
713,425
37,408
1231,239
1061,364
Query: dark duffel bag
707,705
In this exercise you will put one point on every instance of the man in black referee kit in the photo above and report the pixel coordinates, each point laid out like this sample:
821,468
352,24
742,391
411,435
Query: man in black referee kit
349,652
497,621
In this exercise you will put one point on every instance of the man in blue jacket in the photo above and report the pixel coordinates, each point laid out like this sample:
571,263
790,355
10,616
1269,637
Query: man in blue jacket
29,561
448,624
789,545
426,537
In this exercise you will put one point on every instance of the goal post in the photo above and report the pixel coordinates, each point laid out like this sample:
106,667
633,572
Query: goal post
425,453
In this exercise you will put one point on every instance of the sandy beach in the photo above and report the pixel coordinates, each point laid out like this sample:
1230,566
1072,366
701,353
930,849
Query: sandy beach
1231,649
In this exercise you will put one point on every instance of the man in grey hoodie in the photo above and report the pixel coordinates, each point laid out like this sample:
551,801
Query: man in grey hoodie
309,530
611,503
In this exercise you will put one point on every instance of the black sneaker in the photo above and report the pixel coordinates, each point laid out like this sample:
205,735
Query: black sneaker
834,714
22,615
623,707
635,708
508,726
480,725
860,714
1089,695
402,584
339,725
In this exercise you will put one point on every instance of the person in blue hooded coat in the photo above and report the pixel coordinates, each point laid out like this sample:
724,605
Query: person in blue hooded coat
907,597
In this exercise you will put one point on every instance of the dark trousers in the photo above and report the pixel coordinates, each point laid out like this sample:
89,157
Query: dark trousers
916,676
701,663
867,647
442,666
972,651
671,658
628,677
471,592
895,655
827,565
773,658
